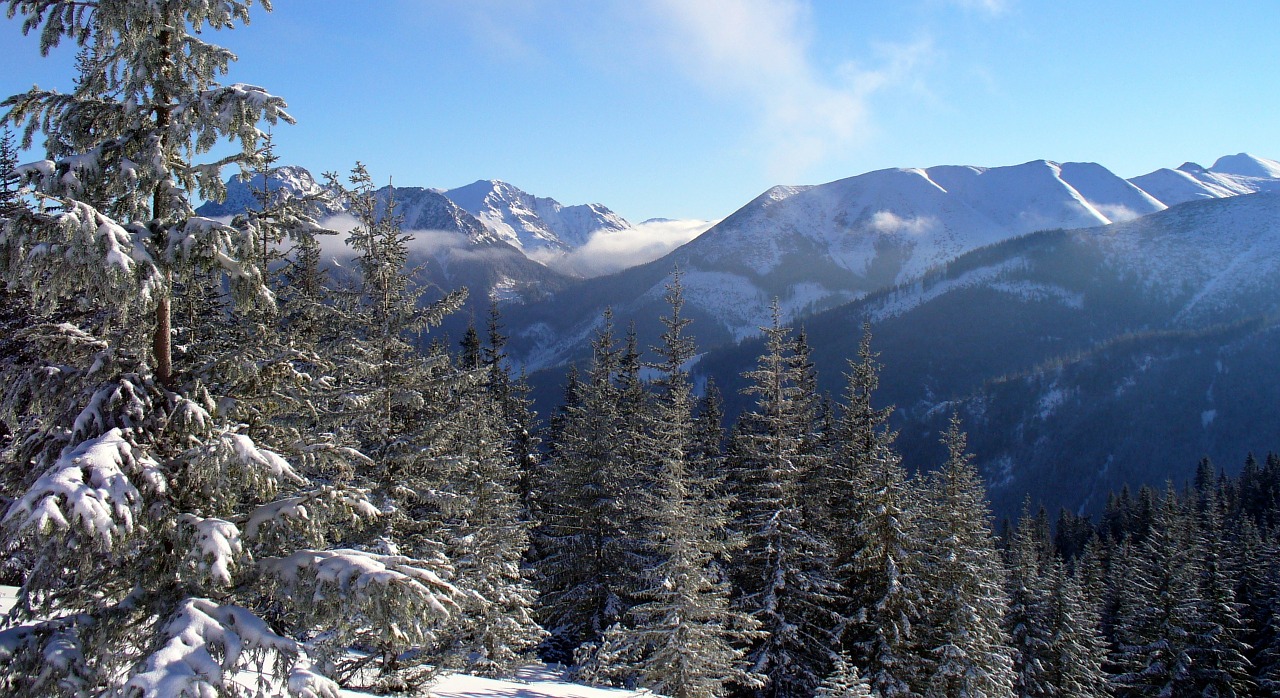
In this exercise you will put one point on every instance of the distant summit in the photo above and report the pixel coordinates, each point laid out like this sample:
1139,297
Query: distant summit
240,197
1230,175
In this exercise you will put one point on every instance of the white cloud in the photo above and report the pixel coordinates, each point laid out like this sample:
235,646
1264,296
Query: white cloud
888,222
1117,213
611,251
760,51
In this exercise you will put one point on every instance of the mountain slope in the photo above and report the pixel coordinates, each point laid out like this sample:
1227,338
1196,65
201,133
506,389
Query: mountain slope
449,248
1081,360
240,197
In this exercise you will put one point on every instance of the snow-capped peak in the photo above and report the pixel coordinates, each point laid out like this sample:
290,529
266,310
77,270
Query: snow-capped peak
533,223
1231,175
1246,165
240,192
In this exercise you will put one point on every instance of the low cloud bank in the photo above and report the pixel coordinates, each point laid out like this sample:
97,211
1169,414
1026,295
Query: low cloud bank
611,251
421,242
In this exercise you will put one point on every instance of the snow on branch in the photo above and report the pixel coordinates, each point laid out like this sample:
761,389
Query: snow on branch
269,521
207,644
77,251
213,246
233,461
89,489
123,404
44,658
217,547
400,599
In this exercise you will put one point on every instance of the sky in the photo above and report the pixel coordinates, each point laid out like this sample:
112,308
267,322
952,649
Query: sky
691,108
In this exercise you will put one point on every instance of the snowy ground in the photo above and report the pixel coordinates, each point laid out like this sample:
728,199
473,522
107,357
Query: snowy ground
534,681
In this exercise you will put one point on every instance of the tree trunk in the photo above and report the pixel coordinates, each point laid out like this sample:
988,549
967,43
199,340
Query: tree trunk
161,340
162,345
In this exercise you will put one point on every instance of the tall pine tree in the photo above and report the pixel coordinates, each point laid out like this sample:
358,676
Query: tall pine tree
684,634
967,603
783,573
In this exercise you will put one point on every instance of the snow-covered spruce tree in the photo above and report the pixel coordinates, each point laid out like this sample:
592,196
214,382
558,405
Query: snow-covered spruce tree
684,637
487,540
1080,650
1258,586
590,557
518,417
1158,595
873,520
965,576
843,681
783,573
394,404
169,548
10,199
1027,620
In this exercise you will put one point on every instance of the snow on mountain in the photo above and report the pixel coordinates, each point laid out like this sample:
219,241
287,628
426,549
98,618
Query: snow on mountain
532,223
1203,259
429,209
1196,261
1230,175
449,247
1246,165
1132,344
814,247
886,226
1117,199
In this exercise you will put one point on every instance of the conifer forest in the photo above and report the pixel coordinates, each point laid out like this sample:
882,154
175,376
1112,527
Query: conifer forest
226,471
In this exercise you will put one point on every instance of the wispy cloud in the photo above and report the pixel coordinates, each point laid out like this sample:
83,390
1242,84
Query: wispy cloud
761,51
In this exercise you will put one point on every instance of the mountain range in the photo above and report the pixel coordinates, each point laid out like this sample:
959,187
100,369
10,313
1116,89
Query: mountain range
1093,331
816,247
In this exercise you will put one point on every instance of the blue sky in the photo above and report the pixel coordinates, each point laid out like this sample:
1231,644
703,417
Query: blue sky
690,108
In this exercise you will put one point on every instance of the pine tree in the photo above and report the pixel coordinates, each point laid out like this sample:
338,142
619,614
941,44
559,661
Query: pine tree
488,538
1028,621
518,417
783,573
10,197
1053,632
1156,611
965,574
162,532
685,637
1218,650
873,519
843,681
1258,587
